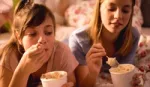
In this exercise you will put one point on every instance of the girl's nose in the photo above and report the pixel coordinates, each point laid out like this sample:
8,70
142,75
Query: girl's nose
42,40
118,14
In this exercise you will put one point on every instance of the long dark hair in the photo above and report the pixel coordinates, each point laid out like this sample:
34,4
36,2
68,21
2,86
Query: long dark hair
26,14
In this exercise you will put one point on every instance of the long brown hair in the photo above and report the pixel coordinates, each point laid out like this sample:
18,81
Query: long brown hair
96,26
27,14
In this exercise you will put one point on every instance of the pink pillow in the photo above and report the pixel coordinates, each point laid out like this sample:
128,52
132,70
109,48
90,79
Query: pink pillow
137,16
143,53
143,59
5,5
79,14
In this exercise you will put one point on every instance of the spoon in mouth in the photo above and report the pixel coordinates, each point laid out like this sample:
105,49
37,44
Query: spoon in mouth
112,61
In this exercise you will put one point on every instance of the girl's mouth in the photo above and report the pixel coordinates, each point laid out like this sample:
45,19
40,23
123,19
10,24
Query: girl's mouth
117,23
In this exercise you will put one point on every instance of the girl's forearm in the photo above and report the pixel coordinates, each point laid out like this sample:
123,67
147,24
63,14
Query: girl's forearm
19,79
89,81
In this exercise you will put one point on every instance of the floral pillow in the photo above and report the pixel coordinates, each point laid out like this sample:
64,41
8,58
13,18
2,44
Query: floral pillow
143,53
80,14
143,60
137,16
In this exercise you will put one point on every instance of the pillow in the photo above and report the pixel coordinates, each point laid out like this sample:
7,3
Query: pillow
143,59
58,7
6,5
143,53
137,16
79,14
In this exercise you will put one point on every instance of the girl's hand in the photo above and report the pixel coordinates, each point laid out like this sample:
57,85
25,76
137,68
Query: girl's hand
94,58
69,84
33,58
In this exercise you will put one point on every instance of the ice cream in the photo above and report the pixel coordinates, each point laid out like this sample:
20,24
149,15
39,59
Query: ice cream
54,79
53,75
121,68
112,62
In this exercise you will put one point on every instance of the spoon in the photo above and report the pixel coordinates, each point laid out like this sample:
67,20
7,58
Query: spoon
112,61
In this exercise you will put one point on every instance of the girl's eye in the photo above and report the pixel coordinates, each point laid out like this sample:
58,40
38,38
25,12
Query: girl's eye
111,9
32,34
125,11
48,33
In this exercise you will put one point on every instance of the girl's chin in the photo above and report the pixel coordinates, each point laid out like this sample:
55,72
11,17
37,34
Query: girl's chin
115,30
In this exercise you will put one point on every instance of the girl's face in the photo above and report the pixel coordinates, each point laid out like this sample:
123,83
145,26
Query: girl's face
115,14
43,34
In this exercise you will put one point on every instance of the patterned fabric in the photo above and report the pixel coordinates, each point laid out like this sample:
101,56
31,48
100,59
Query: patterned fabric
143,53
80,14
143,62
137,16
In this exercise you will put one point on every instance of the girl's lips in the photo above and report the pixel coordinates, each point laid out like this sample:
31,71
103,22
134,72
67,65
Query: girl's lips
117,23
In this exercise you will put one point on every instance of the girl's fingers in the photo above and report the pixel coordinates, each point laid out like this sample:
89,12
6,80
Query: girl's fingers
38,53
35,49
69,84
98,45
36,56
97,55
95,49
95,58
32,49
43,57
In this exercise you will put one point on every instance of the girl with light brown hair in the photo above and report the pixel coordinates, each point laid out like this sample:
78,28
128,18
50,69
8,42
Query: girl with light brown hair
109,34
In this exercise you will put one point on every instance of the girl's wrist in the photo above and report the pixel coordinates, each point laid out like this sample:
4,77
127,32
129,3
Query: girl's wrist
22,71
93,74
22,74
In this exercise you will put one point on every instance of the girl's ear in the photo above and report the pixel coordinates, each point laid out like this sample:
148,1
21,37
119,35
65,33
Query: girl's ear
18,38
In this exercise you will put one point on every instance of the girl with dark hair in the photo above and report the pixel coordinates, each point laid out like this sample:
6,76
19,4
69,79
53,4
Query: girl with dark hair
33,50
